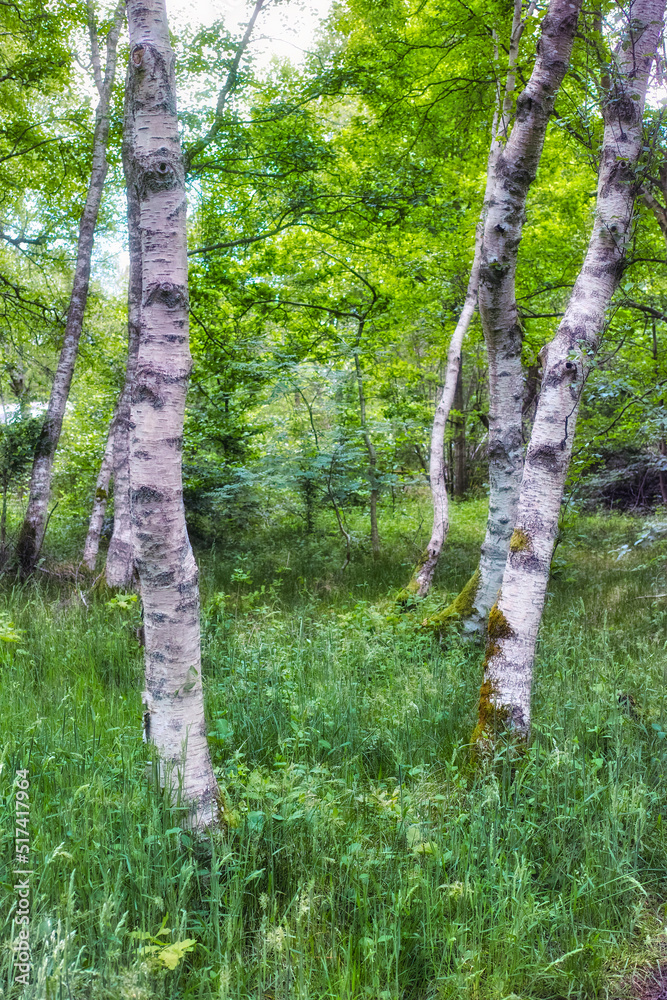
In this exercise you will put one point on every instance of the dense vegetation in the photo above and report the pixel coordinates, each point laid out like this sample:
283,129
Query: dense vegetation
366,855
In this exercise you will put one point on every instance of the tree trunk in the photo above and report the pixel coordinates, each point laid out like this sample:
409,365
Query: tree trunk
120,554
372,457
422,577
514,620
34,524
459,439
92,543
515,170
174,719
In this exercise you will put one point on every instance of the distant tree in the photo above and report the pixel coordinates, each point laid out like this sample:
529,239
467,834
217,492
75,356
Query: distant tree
34,523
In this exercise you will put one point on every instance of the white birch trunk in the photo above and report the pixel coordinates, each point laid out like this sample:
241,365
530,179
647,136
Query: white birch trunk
513,170
34,524
516,169
422,578
514,621
120,554
174,718
92,543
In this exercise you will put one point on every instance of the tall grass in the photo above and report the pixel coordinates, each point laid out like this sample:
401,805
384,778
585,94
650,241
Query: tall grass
366,855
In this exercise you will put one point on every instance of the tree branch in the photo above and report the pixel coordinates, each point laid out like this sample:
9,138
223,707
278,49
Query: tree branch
228,88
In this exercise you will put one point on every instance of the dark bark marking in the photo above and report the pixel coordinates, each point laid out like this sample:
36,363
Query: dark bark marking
168,295
146,494
544,455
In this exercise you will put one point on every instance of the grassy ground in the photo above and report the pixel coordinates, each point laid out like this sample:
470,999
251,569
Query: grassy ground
366,856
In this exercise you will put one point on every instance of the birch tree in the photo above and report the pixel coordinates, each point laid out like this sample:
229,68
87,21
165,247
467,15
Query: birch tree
35,520
92,543
174,719
422,577
120,556
513,171
515,618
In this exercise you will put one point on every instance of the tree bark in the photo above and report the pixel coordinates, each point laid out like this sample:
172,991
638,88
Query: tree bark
120,554
422,577
174,719
459,439
514,620
34,524
514,172
92,543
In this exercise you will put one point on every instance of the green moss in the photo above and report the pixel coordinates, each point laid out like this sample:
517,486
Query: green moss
520,541
406,597
461,608
498,627
491,719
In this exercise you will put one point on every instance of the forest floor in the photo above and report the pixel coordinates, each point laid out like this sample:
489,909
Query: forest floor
367,854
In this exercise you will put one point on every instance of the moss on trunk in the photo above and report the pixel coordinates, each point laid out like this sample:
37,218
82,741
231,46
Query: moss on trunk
520,541
461,607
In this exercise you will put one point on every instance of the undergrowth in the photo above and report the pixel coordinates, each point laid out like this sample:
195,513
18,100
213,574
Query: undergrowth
367,855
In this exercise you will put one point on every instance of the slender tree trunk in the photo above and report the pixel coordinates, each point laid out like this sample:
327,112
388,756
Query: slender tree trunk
92,543
372,457
174,717
514,172
422,577
514,620
34,524
459,439
120,554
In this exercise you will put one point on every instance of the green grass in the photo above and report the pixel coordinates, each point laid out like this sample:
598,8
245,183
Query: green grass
368,857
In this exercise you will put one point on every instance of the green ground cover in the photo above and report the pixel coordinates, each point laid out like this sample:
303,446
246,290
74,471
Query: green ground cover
367,855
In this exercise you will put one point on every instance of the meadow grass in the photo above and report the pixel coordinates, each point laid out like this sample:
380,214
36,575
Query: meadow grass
367,854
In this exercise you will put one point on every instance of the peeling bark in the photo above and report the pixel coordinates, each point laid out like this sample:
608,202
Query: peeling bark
174,719
92,543
505,698
32,531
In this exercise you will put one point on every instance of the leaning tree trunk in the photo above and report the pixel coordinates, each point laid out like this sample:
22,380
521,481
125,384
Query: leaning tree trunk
36,516
92,543
514,620
422,577
515,170
174,719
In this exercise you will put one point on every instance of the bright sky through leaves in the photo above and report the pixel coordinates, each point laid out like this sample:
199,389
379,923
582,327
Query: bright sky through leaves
286,30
